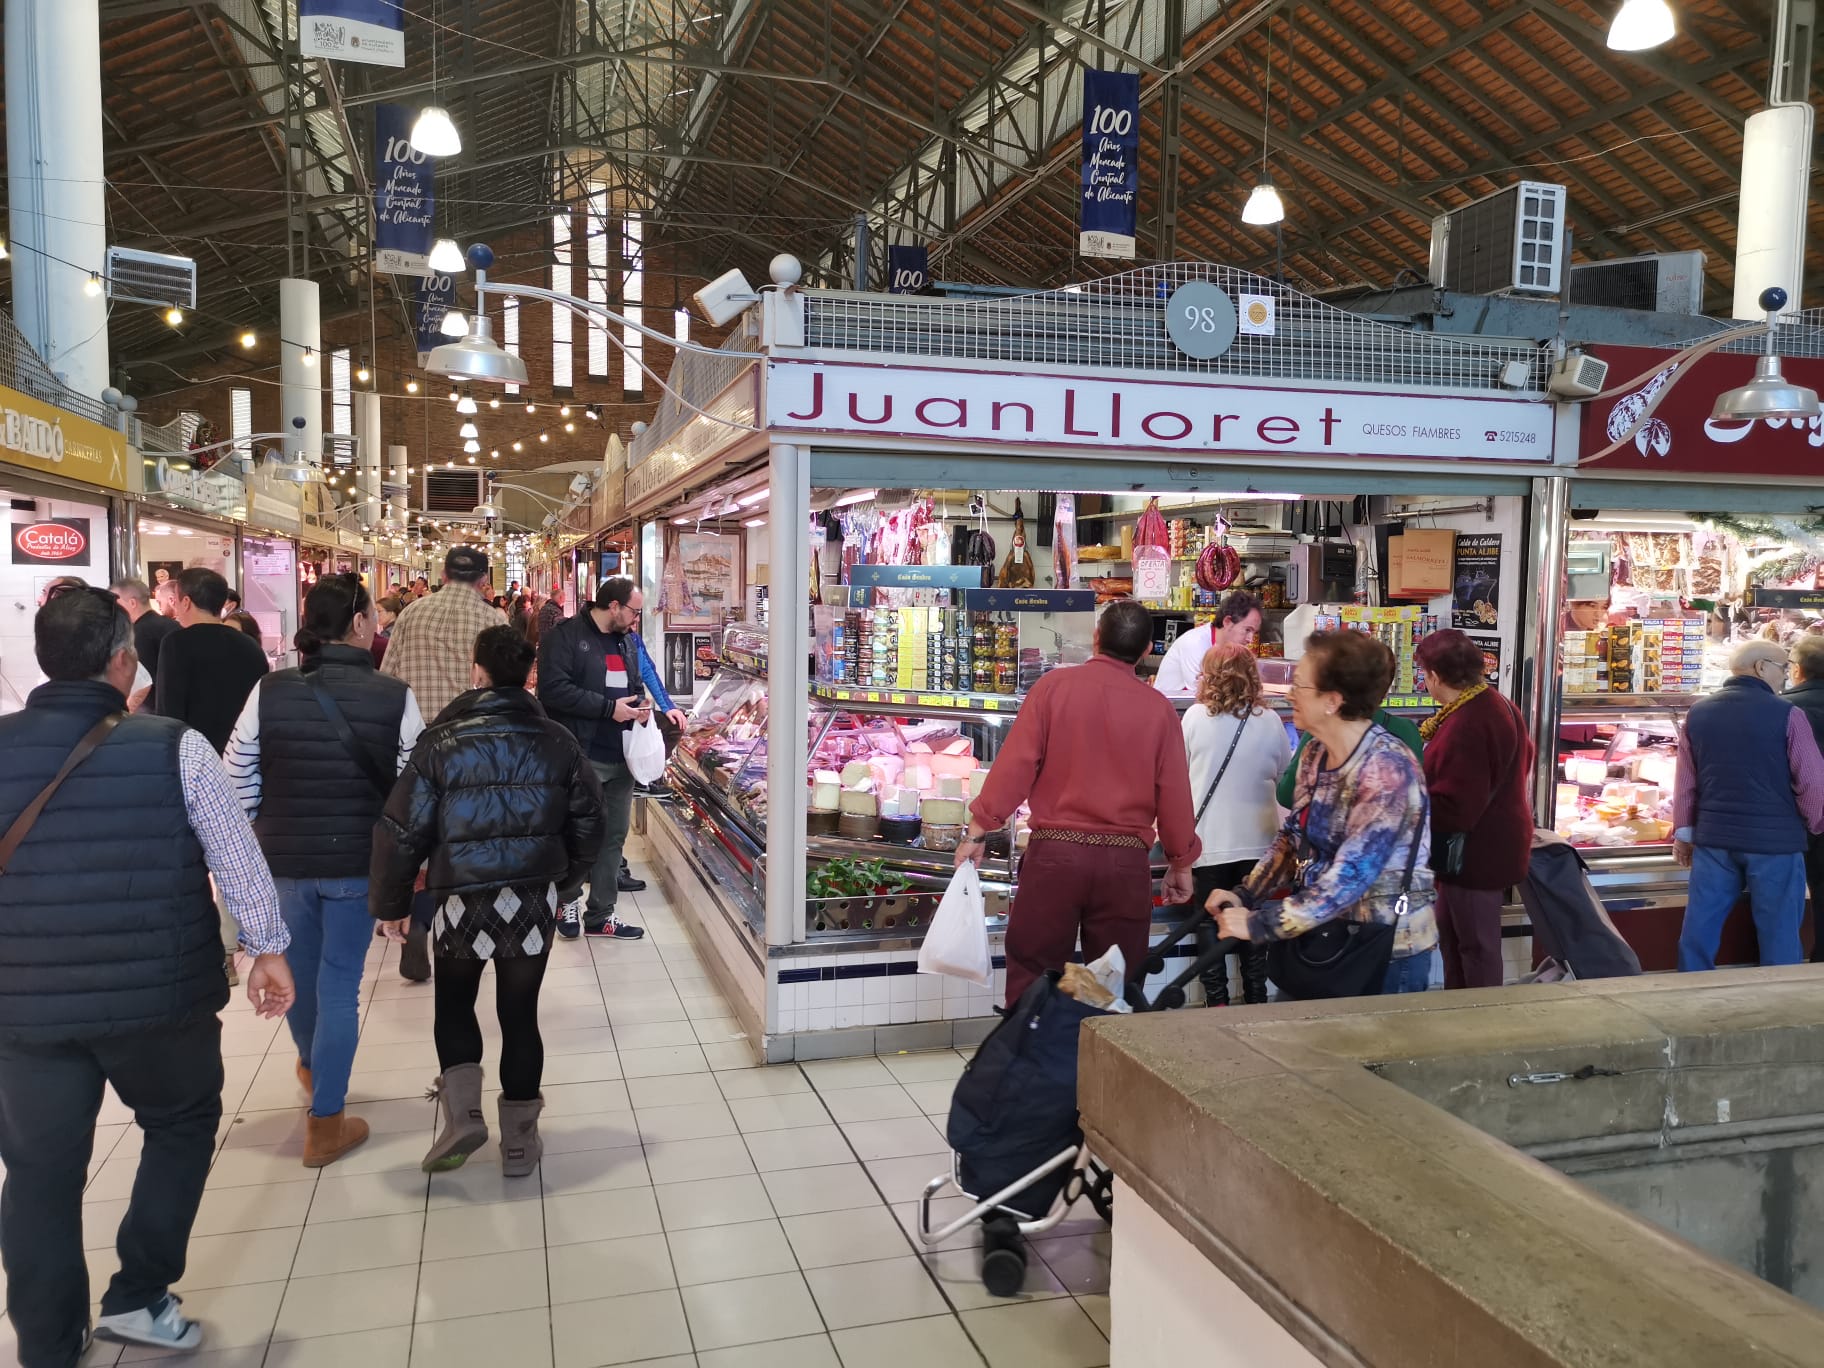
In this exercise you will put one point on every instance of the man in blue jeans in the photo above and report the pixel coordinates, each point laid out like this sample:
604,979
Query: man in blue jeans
313,758
594,677
1749,795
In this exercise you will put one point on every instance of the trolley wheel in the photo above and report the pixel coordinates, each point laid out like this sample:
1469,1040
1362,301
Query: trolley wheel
1003,1257
1101,1194
1170,999
1155,964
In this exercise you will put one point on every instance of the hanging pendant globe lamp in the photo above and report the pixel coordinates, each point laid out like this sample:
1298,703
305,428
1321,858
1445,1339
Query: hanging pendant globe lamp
446,257
468,430
434,134
467,405
1642,24
1264,206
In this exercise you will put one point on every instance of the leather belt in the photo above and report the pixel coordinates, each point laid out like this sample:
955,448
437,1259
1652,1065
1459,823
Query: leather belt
1126,840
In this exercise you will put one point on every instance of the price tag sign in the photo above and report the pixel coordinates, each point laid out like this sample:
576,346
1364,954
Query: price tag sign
1152,577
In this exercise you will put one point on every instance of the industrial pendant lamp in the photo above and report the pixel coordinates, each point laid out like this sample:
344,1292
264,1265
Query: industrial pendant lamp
1770,395
1641,24
455,323
1264,207
434,134
468,430
446,257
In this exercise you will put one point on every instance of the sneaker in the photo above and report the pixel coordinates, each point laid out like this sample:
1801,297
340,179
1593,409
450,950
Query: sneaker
162,1325
614,929
570,918
234,975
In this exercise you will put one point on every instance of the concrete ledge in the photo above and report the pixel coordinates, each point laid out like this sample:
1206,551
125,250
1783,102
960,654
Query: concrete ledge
1353,1165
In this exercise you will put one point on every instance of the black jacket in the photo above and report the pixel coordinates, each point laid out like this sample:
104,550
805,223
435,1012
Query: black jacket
495,794
317,808
107,926
573,682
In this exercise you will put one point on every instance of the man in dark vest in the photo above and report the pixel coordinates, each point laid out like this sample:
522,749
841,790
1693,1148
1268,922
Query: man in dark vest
1749,795
111,973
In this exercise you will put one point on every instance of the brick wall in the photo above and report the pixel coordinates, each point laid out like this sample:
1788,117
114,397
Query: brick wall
426,423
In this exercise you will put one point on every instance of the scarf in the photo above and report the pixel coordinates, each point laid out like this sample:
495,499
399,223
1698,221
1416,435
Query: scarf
1430,725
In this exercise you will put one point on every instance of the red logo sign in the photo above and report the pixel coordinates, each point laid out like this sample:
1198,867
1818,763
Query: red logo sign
64,540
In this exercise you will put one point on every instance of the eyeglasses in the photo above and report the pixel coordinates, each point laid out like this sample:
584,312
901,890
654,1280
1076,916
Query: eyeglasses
107,596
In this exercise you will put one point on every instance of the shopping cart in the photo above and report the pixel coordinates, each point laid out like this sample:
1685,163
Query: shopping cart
1017,1151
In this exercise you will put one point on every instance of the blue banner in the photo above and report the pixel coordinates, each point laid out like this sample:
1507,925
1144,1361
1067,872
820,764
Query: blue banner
1030,600
916,576
1111,164
908,269
405,198
370,31
434,297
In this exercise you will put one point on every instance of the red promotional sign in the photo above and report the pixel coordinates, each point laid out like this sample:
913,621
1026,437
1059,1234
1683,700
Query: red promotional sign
1680,438
57,541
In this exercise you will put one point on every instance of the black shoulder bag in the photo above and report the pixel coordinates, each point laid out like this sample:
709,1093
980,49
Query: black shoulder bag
360,754
1221,770
1342,958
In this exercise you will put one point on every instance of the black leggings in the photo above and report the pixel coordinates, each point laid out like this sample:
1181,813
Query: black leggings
522,1049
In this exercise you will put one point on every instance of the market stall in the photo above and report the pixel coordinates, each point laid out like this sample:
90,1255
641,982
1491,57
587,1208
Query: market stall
918,511
1658,581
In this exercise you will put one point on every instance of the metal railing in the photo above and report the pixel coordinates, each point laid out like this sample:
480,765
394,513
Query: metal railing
23,369
1118,323
698,379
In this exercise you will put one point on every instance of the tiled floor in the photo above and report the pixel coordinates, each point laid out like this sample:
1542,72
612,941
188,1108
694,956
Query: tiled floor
692,1209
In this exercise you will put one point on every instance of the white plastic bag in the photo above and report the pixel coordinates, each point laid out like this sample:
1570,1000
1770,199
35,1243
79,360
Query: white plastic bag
957,943
644,747
1111,972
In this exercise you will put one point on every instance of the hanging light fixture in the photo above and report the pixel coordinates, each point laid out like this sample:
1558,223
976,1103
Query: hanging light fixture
1769,396
446,257
411,385
455,323
531,407
248,340
1264,206
494,403
468,430
466,405
92,286
1642,24
362,373
472,447
309,358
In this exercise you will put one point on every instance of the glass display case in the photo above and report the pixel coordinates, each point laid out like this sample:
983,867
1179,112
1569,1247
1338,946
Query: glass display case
1614,769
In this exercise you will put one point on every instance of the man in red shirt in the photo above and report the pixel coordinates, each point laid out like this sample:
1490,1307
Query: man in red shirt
1100,757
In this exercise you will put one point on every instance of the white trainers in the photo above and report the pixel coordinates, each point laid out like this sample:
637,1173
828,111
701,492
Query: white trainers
162,1325
570,918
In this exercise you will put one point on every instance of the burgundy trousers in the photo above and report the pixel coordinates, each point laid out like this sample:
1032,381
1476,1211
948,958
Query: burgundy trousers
1469,935
1069,893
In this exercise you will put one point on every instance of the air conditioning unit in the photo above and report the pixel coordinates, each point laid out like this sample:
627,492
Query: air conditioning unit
1578,377
451,495
1510,241
151,278
1668,282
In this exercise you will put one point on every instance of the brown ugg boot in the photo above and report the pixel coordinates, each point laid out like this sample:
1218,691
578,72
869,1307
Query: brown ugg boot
520,1147
328,1138
458,1093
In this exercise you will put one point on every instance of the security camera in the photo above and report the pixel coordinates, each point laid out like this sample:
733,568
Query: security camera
724,298
581,484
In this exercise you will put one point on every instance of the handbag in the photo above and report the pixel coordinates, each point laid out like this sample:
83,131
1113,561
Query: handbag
26,820
360,754
1450,849
1339,958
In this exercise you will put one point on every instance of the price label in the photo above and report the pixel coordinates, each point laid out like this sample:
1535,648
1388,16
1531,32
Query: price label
896,698
934,701
991,705
1152,578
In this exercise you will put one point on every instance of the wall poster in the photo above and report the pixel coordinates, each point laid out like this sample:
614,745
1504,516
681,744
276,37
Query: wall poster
1476,583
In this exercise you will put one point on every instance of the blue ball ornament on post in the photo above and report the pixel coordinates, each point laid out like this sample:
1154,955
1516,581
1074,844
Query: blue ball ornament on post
481,256
1773,299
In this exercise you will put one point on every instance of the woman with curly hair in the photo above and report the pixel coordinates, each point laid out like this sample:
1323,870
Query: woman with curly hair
1236,749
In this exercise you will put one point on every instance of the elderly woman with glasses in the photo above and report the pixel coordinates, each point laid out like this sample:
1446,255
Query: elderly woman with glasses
1748,797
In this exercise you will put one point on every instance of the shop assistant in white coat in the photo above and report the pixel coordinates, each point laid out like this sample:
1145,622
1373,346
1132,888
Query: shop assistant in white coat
1237,623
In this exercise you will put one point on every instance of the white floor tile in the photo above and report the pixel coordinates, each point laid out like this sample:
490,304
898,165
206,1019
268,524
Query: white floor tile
582,1272
713,1202
341,1303
751,1310
720,1253
351,1246
493,1228
627,1329
485,1285
521,1339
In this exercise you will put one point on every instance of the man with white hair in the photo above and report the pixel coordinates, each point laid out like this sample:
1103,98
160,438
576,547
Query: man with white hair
1748,798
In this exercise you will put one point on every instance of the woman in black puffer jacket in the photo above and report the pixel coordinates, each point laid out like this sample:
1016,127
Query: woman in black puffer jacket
507,810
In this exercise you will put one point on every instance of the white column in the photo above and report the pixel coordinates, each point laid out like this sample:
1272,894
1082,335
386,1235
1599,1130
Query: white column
367,429
301,368
56,196
396,461
788,685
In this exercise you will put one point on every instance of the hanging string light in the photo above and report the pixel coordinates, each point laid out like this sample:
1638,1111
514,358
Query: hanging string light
1264,206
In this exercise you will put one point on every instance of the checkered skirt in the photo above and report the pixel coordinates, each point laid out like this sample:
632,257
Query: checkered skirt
517,922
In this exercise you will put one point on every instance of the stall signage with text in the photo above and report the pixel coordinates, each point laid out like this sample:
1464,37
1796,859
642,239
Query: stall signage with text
41,437
52,541
1146,415
1680,436
368,31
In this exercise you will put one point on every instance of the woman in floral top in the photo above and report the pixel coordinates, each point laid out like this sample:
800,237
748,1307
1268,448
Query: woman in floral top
1361,795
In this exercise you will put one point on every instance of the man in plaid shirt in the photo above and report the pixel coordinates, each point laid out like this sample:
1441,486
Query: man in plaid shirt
432,648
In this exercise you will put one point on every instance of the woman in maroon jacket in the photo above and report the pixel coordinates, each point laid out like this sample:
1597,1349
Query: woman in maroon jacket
1478,765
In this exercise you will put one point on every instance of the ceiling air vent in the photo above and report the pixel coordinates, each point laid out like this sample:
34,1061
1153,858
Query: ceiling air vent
151,278
453,494
1510,241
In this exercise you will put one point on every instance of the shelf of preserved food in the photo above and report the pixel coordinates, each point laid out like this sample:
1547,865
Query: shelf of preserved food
1613,801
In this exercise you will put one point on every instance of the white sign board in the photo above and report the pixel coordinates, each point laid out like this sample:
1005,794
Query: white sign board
1149,415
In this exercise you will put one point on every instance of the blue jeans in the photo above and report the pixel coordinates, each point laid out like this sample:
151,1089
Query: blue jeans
1408,973
1776,894
331,932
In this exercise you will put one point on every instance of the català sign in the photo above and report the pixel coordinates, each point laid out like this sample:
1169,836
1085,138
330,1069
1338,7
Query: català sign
1149,415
